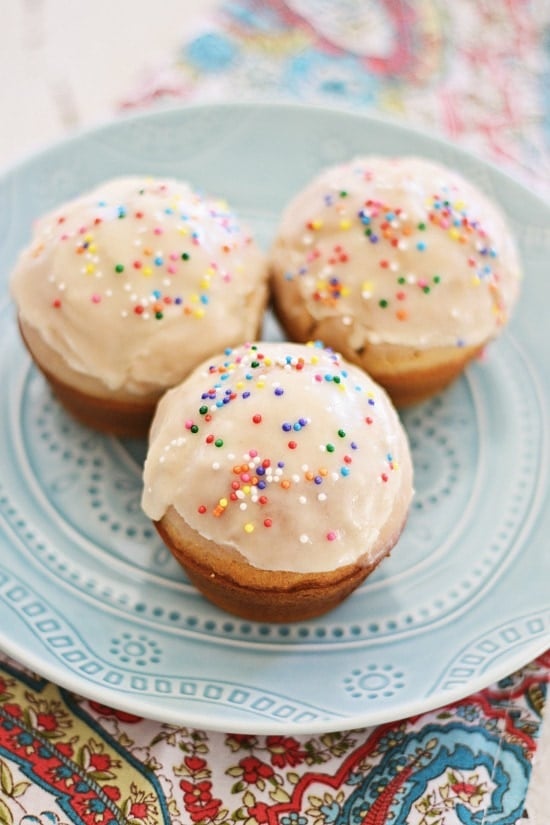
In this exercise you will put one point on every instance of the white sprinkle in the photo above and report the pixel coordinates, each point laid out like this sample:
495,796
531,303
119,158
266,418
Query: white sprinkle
304,538
216,465
302,500
322,497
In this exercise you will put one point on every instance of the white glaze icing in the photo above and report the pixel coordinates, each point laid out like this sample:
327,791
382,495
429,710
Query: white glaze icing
139,280
299,460
410,250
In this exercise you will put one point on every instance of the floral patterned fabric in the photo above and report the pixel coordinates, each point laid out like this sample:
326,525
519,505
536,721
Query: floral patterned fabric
67,760
476,72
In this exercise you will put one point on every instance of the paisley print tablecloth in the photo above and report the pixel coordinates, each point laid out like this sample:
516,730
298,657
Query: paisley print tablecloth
64,759
477,72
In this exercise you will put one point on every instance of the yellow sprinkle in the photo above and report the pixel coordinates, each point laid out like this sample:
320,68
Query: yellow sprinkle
198,313
268,362
317,224
194,298
454,233
90,268
88,237
345,291
205,283
475,280
92,248
240,385
459,206
345,223
223,502
248,528
260,385
147,271
246,489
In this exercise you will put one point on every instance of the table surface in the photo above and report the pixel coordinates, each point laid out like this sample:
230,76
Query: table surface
62,69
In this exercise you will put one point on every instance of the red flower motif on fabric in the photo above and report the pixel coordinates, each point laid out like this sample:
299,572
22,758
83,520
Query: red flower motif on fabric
260,812
46,722
255,770
198,800
194,764
285,751
105,710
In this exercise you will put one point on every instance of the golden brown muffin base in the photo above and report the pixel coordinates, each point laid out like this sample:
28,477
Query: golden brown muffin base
409,375
224,577
86,399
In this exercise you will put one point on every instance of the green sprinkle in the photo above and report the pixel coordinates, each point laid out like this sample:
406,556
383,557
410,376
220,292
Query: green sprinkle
330,448
342,433
437,279
336,379
159,316
368,231
203,410
383,303
421,226
219,442
254,364
194,429
119,268
401,280
343,193
185,256
426,289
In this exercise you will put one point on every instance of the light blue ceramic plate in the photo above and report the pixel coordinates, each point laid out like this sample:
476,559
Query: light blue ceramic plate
91,599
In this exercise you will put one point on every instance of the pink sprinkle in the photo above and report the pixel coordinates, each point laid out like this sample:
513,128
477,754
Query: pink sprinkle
188,424
318,377
171,269
331,535
253,453
174,256
96,298
158,230
422,282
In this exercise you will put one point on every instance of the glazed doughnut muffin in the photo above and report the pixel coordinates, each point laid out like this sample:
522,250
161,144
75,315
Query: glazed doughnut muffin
279,476
401,265
125,289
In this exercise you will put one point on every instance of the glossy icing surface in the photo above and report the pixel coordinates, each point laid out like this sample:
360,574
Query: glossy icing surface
284,452
410,250
137,281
